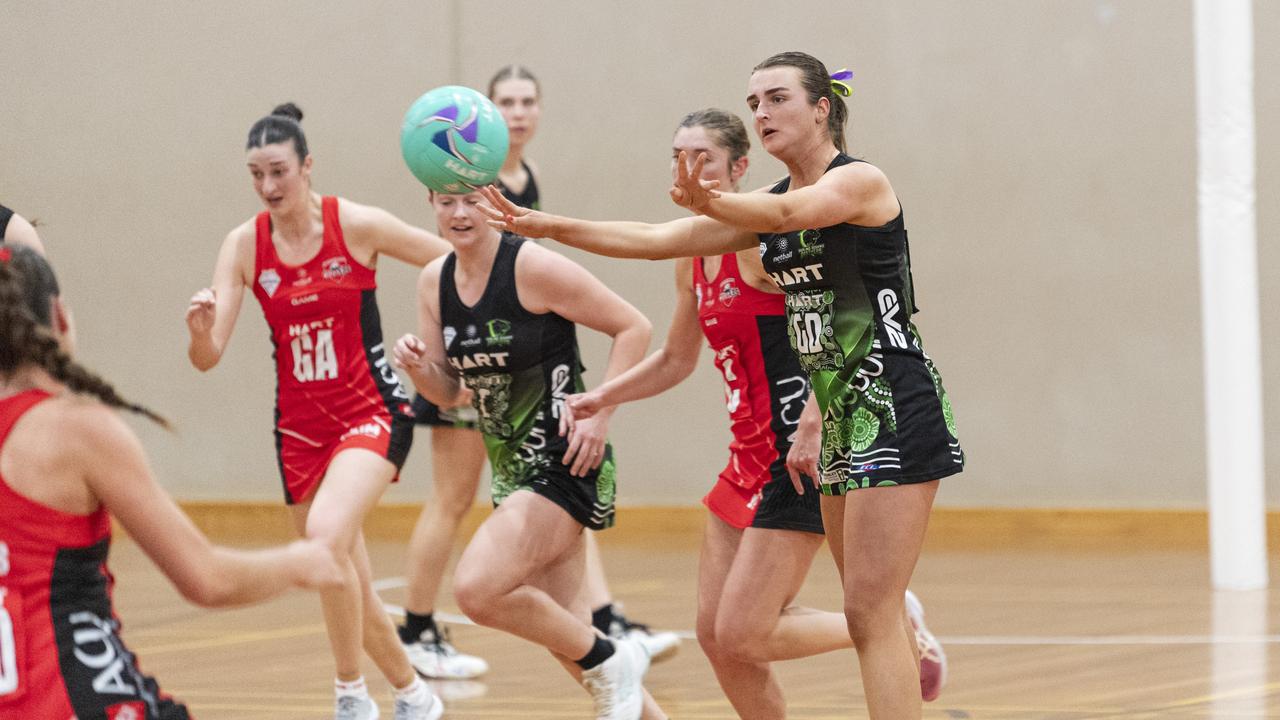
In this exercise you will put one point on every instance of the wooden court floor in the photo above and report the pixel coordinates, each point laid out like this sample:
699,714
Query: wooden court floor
1066,634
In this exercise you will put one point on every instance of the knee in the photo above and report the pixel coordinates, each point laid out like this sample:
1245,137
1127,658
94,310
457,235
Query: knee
451,505
333,535
740,642
869,615
706,632
473,597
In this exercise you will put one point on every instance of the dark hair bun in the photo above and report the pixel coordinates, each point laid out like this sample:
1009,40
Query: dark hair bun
288,110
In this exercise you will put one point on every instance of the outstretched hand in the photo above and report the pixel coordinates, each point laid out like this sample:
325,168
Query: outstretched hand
509,217
689,190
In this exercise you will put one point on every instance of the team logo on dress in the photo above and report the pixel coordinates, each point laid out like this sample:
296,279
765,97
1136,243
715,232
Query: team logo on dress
471,339
499,332
810,244
783,248
269,279
336,268
728,291
449,333
370,429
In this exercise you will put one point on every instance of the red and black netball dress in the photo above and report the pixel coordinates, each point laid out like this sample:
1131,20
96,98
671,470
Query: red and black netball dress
765,391
61,656
335,385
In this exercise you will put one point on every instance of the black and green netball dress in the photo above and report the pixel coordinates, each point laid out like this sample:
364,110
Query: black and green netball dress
886,419
520,367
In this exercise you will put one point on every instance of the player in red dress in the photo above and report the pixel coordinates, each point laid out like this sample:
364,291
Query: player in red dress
68,464
343,427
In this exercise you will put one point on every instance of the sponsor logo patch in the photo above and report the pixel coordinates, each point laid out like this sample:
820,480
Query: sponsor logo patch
269,279
336,268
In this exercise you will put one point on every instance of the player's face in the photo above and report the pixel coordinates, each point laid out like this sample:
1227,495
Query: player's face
781,110
694,140
278,177
517,100
458,219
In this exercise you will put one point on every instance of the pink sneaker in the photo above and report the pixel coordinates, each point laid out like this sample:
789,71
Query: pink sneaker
933,661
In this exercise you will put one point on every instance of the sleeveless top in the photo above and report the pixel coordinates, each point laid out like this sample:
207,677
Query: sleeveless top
765,389
331,364
520,367
61,654
849,301
528,198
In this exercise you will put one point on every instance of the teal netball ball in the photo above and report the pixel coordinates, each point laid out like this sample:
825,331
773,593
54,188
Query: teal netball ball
454,140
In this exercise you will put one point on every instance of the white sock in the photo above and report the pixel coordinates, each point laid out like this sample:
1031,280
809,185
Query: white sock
415,693
354,688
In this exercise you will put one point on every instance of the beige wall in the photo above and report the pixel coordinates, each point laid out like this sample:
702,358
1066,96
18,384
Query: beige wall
1044,152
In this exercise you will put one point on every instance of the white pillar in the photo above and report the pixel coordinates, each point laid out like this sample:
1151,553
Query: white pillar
1229,293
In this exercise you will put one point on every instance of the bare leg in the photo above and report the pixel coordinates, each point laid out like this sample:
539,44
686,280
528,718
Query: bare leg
457,461
893,521
751,687
756,621
566,583
352,485
525,535
597,585
380,640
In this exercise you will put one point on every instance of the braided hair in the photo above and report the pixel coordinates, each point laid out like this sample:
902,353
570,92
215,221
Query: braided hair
27,284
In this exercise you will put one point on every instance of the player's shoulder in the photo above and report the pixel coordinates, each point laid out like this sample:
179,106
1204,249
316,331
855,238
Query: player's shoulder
536,263
87,426
860,172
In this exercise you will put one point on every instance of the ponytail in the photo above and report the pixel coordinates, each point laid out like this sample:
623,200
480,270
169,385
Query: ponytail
27,285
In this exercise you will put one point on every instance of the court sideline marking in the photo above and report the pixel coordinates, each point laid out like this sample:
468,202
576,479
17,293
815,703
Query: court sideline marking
393,583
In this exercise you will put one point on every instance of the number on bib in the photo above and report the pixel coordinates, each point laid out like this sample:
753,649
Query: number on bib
314,360
808,328
11,650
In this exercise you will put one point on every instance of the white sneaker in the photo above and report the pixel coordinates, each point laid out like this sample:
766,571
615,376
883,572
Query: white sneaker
430,710
615,684
660,645
933,661
355,707
434,657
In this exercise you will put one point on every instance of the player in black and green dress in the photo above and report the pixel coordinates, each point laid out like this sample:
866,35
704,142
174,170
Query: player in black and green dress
500,314
832,237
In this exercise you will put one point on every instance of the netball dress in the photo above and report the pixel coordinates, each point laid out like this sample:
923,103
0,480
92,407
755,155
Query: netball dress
886,419
335,388
520,367
424,411
61,654
765,391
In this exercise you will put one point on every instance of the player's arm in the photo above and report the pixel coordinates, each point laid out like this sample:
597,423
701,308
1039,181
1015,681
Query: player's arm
422,356
212,311
116,471
21,232
662,370
806,448
686,237
857,193
550,282
372,231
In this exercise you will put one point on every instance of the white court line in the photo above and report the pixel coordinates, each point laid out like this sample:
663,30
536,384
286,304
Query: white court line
1081,640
